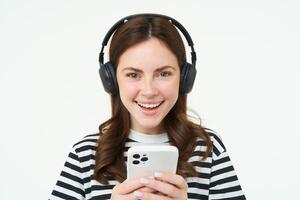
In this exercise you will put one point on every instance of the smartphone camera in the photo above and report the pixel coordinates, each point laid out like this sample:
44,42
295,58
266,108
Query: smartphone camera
139,159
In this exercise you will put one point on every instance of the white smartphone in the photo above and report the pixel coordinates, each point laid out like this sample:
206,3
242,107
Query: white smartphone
144,160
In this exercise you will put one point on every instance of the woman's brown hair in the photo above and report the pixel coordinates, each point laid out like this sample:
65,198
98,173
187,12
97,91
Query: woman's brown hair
182,133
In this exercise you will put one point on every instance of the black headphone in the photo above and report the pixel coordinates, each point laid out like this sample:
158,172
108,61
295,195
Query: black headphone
187,71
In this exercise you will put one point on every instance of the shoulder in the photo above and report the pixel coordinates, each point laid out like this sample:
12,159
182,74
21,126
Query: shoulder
88,142
216,140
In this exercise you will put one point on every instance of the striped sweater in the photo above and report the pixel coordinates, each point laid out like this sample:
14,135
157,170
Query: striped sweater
216,176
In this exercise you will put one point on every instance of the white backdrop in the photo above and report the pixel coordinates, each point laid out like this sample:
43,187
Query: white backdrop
247,86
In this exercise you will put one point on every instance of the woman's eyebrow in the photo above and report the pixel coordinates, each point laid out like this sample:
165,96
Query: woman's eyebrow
158,69
165,67
132,69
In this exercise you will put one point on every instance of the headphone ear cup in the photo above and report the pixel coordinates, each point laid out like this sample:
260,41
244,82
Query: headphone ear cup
108,78
187,77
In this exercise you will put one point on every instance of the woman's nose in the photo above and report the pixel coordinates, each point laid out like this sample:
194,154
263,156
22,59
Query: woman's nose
148,88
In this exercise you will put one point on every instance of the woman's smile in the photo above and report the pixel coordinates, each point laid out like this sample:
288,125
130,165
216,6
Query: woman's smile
149,109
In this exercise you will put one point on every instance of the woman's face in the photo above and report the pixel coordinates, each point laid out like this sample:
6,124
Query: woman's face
148,77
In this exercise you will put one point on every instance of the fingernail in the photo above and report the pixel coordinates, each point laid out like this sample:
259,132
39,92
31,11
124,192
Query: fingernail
144,181
157,174
137,194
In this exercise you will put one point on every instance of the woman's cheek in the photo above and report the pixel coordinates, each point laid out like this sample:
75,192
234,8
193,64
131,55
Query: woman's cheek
170,88
129,89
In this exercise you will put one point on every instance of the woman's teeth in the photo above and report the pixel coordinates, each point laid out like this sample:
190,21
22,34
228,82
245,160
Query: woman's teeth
149,105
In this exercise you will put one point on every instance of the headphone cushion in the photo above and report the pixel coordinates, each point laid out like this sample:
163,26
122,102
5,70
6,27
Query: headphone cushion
187,77
108,78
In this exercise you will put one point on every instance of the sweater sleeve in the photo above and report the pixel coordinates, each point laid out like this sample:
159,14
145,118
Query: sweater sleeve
224,183
70,182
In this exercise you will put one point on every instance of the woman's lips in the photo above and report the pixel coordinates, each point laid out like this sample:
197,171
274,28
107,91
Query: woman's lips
149,109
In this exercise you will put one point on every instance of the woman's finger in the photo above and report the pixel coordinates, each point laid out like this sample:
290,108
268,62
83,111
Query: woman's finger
163,187
129,185
150,196
147,189
171,178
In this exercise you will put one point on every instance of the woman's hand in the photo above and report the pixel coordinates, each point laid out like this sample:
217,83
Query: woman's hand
168,186
125,190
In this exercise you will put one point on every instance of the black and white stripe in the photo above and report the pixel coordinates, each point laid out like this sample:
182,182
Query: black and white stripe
216,176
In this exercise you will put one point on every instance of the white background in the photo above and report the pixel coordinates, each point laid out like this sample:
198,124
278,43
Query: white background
247,87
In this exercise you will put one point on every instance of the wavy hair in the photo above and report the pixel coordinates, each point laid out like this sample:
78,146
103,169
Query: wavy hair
182,133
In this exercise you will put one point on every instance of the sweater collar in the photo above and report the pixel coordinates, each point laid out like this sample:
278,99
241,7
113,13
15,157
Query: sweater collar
146,138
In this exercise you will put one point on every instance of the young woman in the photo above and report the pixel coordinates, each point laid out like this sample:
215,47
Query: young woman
148,79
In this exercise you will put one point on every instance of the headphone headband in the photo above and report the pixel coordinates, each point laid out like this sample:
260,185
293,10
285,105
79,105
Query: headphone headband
148,15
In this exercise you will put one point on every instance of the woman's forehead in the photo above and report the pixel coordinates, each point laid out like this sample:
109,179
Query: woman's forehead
150,53
141,69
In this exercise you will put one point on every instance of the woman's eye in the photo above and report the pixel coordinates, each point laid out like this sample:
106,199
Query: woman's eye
165,74
132,75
